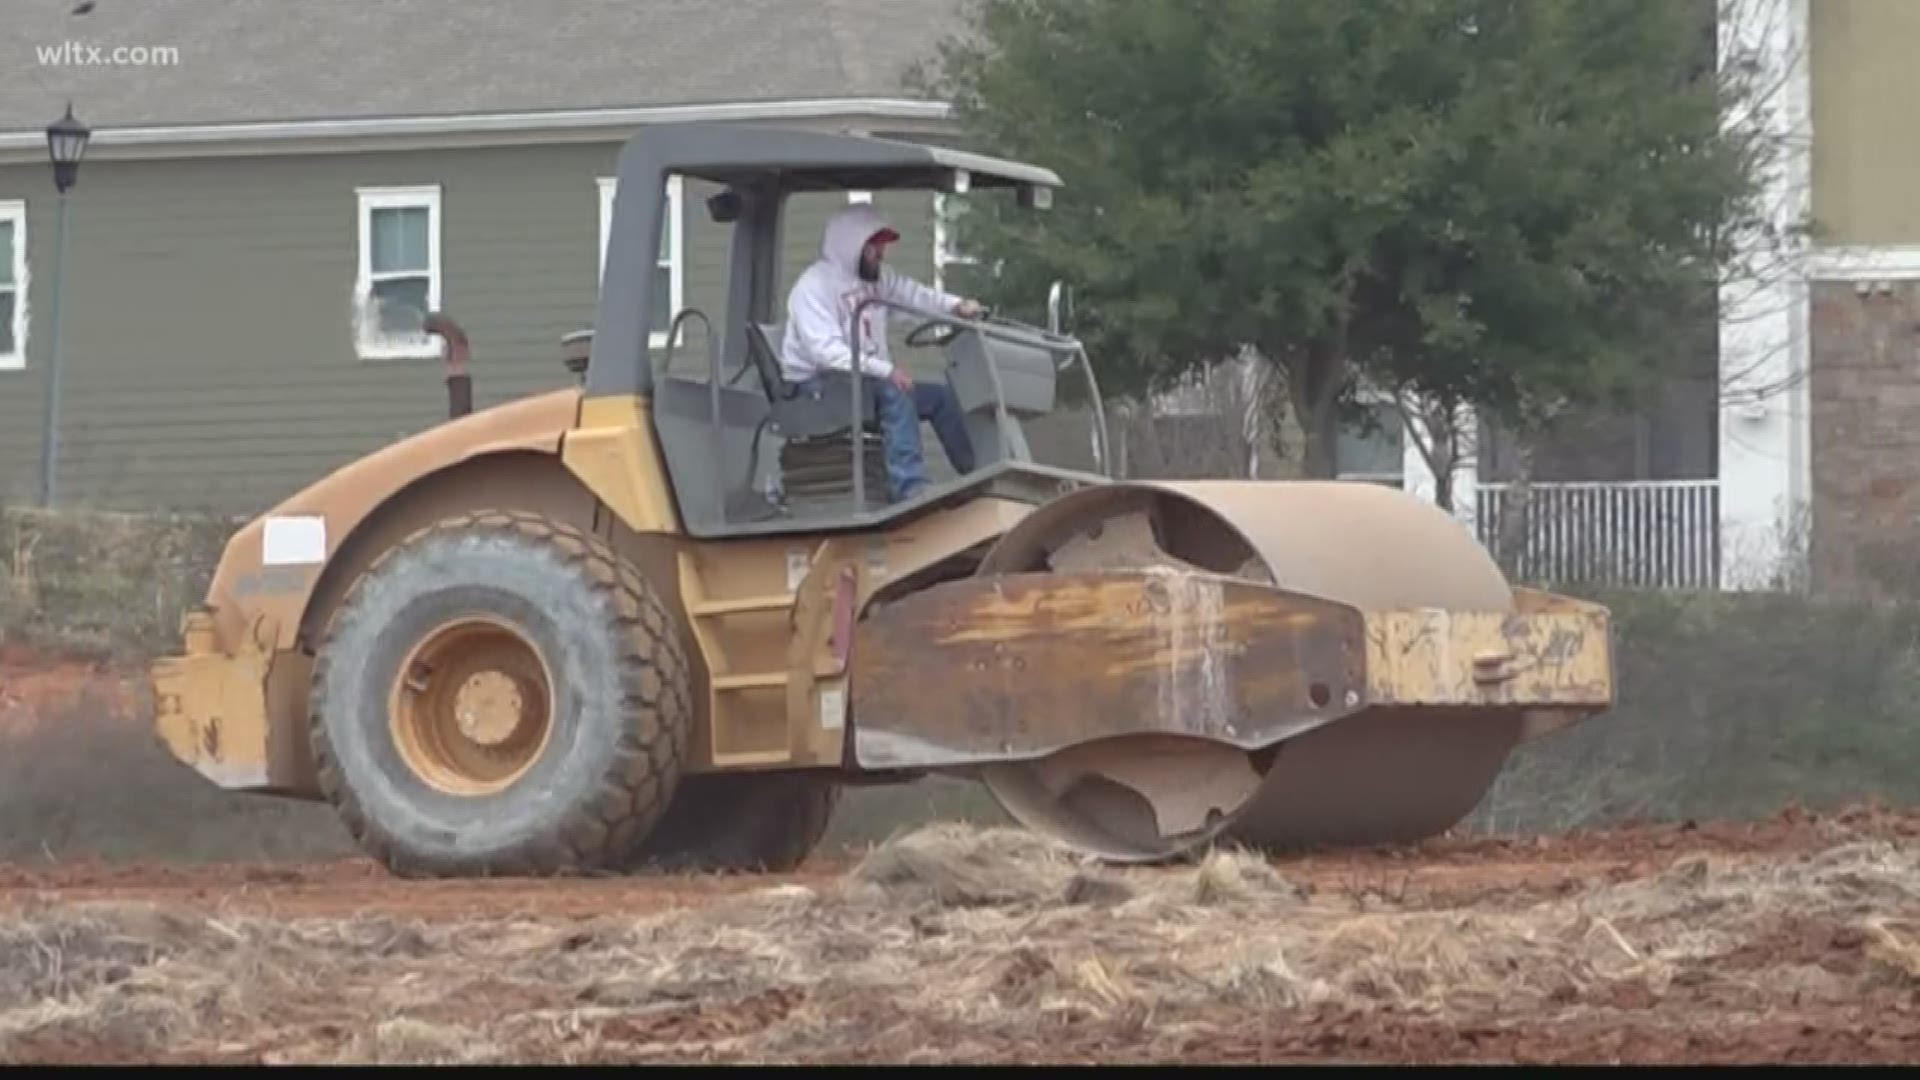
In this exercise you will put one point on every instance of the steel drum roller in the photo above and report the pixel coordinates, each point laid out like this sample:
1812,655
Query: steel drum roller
1380,774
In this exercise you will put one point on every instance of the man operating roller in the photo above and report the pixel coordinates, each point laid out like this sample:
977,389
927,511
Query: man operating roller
820,313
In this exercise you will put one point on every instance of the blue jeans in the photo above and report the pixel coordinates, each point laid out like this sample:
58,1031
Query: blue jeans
900,416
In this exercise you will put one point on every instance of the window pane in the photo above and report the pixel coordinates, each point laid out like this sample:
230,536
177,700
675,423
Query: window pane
7,299
6,253
663,312
400,238
953,212
1378,451
402,306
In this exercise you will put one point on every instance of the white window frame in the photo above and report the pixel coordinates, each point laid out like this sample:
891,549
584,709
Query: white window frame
14,212
676,247
416,196
944,252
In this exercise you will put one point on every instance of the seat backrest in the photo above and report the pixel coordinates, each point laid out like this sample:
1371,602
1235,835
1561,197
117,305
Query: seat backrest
766,360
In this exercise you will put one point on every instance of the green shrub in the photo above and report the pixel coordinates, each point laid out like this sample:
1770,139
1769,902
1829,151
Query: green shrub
1731,705
95,583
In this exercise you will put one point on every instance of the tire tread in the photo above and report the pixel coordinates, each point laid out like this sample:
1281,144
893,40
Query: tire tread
637,781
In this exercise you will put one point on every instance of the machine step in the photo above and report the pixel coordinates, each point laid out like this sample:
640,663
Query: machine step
753,757
778,602
756,681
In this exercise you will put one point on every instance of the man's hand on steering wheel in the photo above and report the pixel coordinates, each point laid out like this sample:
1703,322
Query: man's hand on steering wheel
937,334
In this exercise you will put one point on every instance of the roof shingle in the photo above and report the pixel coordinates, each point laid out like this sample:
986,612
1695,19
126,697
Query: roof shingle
278,60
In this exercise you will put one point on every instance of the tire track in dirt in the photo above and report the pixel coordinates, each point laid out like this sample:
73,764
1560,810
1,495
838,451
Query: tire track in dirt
1445,872
354,887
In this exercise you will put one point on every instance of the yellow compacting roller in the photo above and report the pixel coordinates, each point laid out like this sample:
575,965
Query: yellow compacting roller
661,618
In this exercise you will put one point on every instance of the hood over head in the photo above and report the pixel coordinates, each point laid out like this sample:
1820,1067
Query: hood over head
848,231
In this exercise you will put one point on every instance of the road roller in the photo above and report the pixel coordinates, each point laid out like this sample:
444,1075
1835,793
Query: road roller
662,615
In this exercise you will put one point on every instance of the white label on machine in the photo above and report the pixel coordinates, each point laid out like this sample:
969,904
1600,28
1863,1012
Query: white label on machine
294,541
877,557
796,568
833,708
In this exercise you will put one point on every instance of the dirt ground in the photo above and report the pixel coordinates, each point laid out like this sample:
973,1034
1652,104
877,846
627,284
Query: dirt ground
1792,939
34,685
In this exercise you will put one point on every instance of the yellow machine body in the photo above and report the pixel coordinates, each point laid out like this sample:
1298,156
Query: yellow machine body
1135,668
573,631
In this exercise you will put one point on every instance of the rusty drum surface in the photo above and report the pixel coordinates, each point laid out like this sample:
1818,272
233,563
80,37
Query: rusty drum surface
1376,774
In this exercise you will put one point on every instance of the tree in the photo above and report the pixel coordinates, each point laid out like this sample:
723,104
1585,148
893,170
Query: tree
1503,204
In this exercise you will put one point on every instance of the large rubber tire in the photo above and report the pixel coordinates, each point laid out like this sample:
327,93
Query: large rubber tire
617,695
740,823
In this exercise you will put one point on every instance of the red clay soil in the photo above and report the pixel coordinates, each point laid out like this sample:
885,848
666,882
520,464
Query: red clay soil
33,685
1461,870
1696,1020
1444,872
351,887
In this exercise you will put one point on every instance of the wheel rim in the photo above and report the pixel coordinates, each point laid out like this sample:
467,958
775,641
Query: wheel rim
472,707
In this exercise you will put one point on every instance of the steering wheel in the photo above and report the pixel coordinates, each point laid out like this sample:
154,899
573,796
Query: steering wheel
939,334
932,333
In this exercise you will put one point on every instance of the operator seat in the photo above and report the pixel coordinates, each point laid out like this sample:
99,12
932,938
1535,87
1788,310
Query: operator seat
816,452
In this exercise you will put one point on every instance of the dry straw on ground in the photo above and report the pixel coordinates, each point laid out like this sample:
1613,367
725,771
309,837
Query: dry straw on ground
948,944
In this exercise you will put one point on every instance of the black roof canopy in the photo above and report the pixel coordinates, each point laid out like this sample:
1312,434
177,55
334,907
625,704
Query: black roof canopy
801,160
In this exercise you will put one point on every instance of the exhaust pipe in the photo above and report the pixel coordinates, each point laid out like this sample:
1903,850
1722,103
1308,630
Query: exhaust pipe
459,382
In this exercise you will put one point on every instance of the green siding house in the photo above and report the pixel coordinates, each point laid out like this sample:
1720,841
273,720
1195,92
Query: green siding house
274,167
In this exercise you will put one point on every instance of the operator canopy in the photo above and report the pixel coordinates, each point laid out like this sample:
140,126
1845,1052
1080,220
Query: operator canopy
756,167
821,161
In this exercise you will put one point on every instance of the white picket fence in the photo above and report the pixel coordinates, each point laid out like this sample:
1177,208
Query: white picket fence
1657,534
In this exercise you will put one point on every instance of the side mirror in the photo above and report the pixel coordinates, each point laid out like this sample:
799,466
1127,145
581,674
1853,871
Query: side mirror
724,207
1059,307
576,349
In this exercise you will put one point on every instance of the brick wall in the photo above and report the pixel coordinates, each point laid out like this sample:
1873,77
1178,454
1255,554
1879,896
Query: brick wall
1865,394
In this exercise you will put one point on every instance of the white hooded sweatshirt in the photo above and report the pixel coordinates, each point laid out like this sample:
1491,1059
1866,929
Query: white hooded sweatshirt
821,304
